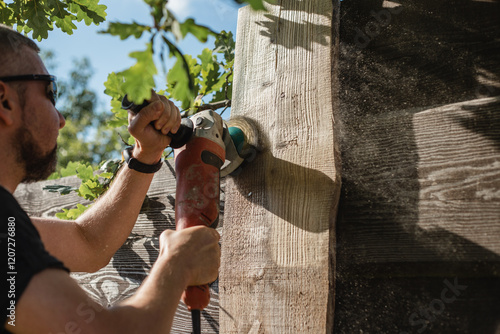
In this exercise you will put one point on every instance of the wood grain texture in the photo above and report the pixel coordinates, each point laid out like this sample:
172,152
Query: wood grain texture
419,86
277,249
435,200
131,264
420,177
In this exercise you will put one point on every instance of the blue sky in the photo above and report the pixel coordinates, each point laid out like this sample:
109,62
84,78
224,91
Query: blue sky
110,54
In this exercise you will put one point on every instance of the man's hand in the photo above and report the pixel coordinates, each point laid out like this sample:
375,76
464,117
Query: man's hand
194,252
150,126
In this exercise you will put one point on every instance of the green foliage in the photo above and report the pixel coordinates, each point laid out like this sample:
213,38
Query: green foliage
139,78
72,214
211,76
189,77
40,16
126,30
211,73
92,186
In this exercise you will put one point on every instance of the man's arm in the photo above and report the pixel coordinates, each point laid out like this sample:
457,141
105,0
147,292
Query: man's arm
88,243
54,303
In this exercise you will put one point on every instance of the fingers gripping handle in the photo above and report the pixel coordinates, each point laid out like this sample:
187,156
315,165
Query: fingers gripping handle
179,138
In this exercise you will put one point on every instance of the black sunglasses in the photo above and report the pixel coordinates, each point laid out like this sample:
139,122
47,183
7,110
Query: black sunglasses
51,89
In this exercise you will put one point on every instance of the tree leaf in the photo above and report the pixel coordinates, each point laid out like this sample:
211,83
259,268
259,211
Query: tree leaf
106,175
86,190
6,14
84,172
36,15
58,9
139,79
66,24
224,43
198,31
63,215
125,30
114,85
70,169
207,60
178,81
72,214
57,188
90,11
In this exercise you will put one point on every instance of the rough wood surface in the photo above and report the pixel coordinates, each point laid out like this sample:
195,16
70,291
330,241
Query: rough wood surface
132,262
438,200
420,119
277,249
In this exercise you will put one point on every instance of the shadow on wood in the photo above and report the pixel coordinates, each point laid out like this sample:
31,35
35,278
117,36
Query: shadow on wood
280,178
152,208
487,115
291,42
285,32
421,170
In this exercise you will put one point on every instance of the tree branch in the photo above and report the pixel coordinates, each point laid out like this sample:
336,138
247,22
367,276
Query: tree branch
215,105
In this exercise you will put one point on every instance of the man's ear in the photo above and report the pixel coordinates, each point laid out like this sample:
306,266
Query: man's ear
6,104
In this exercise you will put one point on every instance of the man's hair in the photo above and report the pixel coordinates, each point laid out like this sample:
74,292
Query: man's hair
11,41
12,49
12,44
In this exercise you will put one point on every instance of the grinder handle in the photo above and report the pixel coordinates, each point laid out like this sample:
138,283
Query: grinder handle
179,139
197,169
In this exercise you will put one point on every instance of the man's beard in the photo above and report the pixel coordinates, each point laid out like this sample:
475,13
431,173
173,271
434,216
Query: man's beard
37,165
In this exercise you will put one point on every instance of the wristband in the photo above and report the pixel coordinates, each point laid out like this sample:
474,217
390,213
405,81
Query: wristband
136,165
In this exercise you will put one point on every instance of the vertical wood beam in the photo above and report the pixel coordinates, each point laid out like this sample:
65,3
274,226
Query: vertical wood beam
277,271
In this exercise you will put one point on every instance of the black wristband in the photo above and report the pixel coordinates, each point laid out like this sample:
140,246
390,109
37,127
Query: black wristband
135,164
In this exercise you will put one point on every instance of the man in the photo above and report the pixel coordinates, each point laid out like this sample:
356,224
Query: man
41,297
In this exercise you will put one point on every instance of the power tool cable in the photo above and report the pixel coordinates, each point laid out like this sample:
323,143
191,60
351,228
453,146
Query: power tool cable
196,319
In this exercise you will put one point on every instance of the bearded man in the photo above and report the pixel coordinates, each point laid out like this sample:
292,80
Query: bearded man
41,297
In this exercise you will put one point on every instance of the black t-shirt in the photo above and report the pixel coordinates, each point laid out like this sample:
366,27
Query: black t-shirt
23,253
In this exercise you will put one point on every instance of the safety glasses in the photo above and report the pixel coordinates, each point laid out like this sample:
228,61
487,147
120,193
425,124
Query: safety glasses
51,89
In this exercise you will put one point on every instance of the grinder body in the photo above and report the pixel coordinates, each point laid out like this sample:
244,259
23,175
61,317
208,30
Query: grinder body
197,168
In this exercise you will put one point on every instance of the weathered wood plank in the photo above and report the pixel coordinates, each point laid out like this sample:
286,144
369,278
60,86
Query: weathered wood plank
277,249
132,262
437,199
40,203
419,172
419,182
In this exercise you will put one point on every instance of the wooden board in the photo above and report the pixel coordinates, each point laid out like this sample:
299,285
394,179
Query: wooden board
419,131
436,200
278,244
420,116
131,264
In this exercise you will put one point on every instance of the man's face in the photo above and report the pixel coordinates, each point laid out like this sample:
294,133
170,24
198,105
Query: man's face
36,139
38,165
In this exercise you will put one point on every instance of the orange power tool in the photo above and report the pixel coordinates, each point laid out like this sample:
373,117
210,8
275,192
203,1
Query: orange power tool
197,168
203,145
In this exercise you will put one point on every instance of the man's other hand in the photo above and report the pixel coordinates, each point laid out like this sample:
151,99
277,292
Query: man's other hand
194,252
